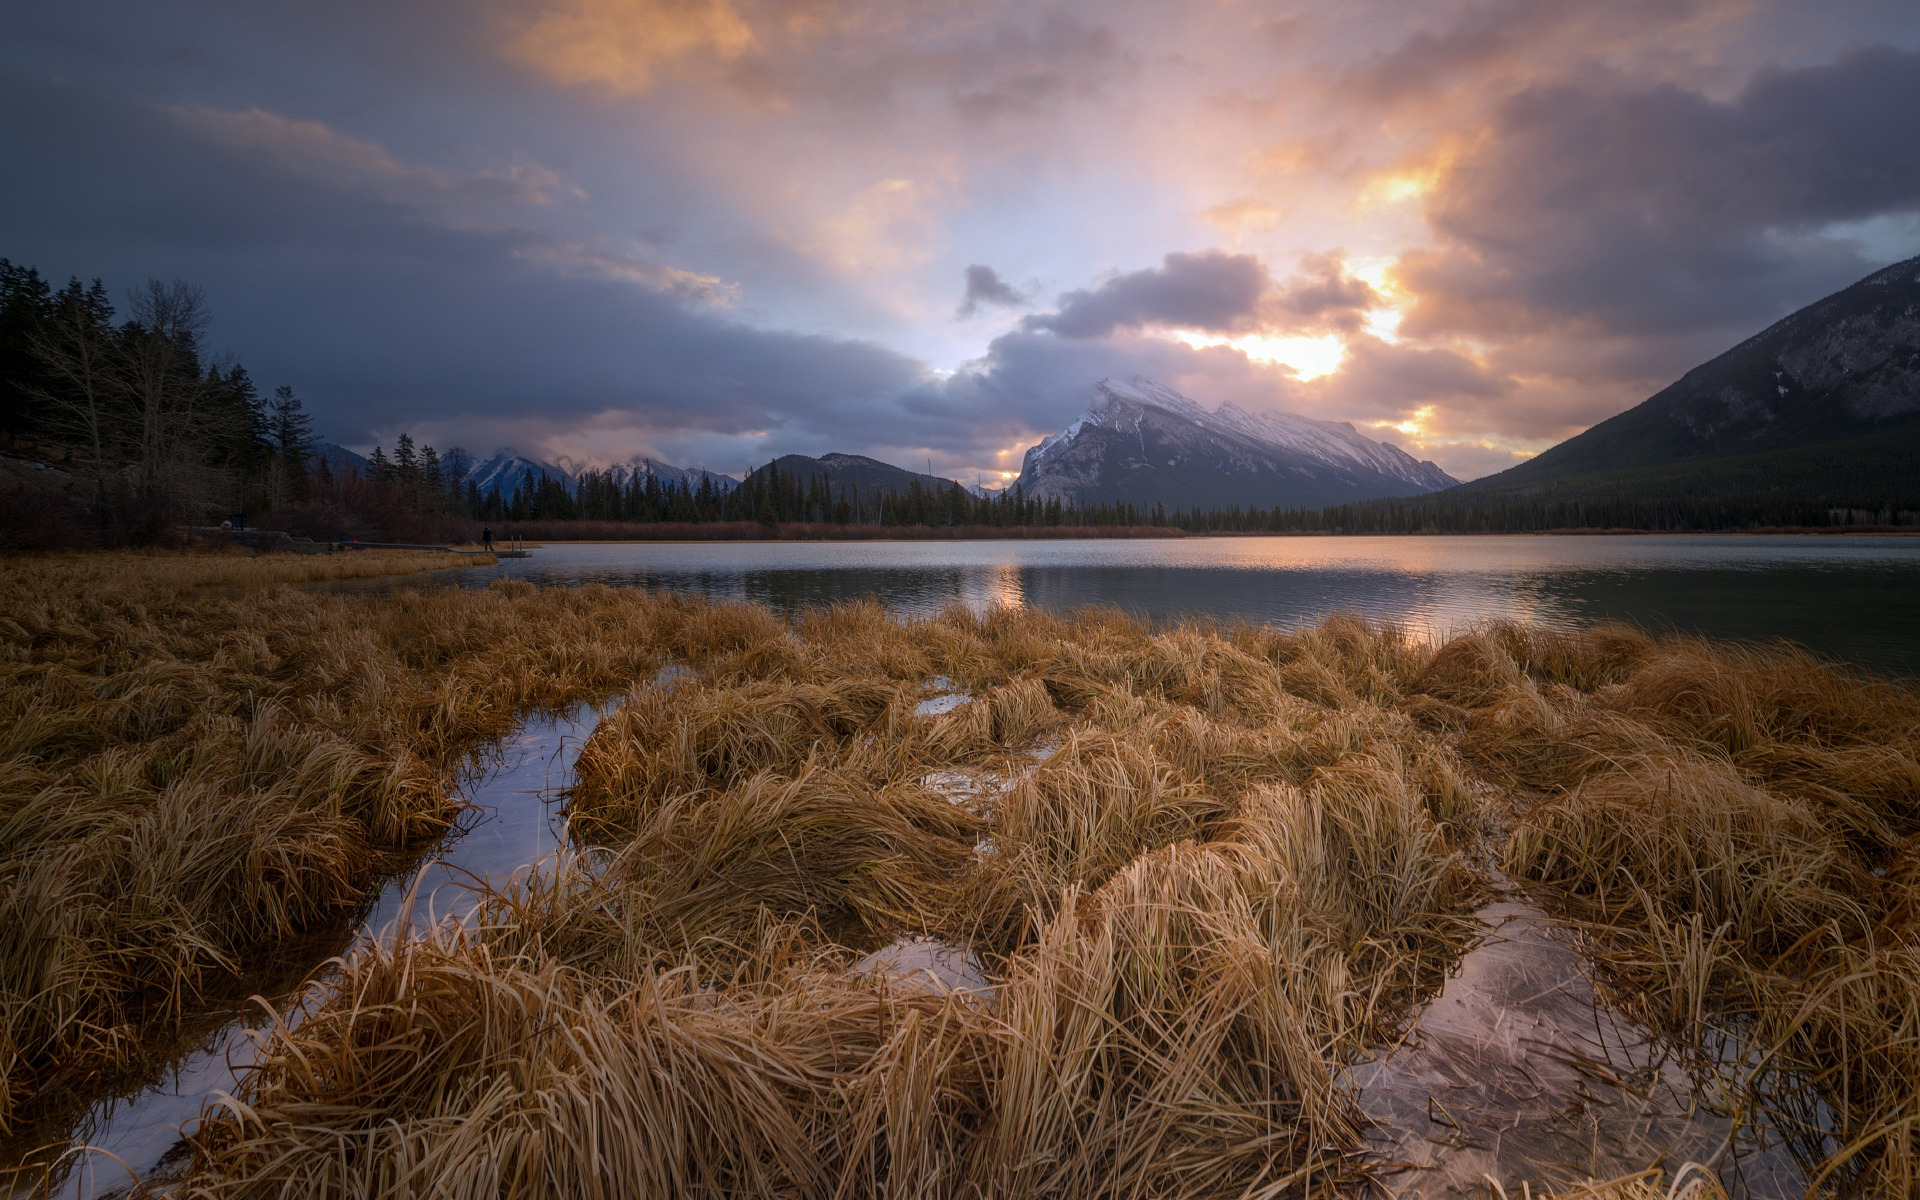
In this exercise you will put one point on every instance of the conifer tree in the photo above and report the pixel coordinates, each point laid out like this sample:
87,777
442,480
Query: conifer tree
290,434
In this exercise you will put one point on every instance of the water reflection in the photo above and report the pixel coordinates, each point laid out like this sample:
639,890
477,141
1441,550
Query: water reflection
1843,596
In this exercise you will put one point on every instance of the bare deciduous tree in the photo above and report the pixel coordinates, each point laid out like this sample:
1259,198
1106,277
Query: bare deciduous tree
79,351
165,389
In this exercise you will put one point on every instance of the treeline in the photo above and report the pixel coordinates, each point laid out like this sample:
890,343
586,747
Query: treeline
771,496
154,428
772,499
1440,513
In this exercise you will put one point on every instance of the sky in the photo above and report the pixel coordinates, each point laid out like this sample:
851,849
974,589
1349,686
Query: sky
715,231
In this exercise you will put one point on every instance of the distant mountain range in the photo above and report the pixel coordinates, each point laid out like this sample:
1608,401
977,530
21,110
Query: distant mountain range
1143,443
1822,407
1139,442
507,467
847,472
505,470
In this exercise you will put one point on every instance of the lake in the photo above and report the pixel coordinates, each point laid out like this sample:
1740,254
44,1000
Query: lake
1852,598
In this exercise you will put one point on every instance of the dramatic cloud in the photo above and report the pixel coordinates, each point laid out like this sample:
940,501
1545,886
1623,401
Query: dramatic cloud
1209,291
1323,294
1643,211
310,148
718,230
412,319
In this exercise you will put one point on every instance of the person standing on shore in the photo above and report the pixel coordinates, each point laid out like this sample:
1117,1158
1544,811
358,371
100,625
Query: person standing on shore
486,538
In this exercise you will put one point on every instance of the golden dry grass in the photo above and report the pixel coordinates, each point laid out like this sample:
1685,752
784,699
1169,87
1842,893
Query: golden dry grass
197,763
1186,953
1206,866
153,572
1734,828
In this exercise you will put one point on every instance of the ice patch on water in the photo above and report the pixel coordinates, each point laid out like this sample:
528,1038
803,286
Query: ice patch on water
945,698
928,965
956,787
1516,1072
514,825
669,676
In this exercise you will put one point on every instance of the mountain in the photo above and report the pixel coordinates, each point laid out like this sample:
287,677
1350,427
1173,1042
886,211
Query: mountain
849,471
641,466
339,459
508,467
1146,444
1823,406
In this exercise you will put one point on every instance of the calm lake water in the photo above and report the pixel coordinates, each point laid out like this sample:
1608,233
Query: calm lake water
1853,598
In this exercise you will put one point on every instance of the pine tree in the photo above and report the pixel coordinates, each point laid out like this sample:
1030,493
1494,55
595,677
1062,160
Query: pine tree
290,434
433,496
26,307
406,467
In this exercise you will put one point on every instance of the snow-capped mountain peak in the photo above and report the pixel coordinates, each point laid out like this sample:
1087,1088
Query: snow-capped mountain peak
1144,443
1142,390
507,469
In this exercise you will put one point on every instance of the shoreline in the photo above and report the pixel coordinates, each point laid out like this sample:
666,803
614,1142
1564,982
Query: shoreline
1152,533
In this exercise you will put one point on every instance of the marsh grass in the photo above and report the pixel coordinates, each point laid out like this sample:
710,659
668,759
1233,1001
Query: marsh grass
1746,865
198,763
1208,867
1186,945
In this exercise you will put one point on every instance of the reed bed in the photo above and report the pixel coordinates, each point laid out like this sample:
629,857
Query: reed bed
150,572
1185,951
199,764
1205,869
1734,830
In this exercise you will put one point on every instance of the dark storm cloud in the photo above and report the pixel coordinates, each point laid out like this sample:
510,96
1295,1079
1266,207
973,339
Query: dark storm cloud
384,311
1321,295
1216,292
1212,290
984,288
1658,210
